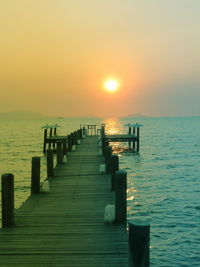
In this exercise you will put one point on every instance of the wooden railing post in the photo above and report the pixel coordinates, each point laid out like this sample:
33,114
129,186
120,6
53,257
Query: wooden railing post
138,138
120,196
129,132
50,135
114,168
69,142
50,169
64,143
45,141
59,152
108,155
7,196
134,141
35,175
139,241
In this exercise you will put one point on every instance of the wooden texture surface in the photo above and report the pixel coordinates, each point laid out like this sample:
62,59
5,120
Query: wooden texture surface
65,227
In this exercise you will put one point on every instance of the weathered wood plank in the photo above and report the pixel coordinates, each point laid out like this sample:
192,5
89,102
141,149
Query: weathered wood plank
65,227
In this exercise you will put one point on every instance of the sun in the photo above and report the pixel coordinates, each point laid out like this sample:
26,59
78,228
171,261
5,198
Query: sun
111,85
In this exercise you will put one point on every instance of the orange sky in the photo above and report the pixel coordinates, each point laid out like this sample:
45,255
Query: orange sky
56,54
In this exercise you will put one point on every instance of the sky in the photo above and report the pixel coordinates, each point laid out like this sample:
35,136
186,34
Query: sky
56,54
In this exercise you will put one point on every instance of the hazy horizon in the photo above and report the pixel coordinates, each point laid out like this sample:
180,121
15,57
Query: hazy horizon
56,55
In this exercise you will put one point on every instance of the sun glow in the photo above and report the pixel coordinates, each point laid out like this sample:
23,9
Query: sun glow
111,85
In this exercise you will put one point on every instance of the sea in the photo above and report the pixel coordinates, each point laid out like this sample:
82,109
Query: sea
163,178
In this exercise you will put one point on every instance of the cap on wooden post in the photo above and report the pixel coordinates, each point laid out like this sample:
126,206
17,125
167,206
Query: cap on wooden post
7,196
120,196
108,155
59,152
50,169
114,167
35,175
139,241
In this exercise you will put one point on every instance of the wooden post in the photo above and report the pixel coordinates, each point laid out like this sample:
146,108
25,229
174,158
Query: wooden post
133,141
50,135
139,239
105,144
129,132
114,168
50,169
45,141
7,196
81,133
138,138
59,152
84,131
108,155
54,133
75,138
35,175
120,196
64,143
69,142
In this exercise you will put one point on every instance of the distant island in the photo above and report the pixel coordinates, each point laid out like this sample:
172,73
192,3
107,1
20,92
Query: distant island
22,115
135,115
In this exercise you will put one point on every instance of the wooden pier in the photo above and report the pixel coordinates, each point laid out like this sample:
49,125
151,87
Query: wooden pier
66,226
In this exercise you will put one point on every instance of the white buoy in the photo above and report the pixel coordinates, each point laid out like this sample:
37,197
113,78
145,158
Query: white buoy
78,142
73,147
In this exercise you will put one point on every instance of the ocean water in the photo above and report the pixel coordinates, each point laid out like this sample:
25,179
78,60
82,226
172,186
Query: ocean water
163,179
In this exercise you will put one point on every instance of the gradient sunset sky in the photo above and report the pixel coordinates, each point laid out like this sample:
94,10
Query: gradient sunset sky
56,54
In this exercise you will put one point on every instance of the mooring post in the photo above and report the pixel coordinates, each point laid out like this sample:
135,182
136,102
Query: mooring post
45,141
69,142
108,155
54,133
120,196
64,143
134,140
138,138
50,169
139,241
114,167
7,196
50,135
81,133
75,138
59,152
35,175
84,131
129,132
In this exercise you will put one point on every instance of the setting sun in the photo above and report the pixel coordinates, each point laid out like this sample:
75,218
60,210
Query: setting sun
111,85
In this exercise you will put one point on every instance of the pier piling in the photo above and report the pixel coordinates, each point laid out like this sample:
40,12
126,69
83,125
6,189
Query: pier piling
59,152
50,167
120,196
114,168
7,196
35,175
139,239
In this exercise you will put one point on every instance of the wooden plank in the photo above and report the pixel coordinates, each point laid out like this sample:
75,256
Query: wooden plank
65,227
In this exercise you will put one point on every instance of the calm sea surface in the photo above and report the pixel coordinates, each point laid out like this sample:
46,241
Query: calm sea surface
164,179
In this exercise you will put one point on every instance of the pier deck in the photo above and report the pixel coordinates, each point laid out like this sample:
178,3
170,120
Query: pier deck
65,227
